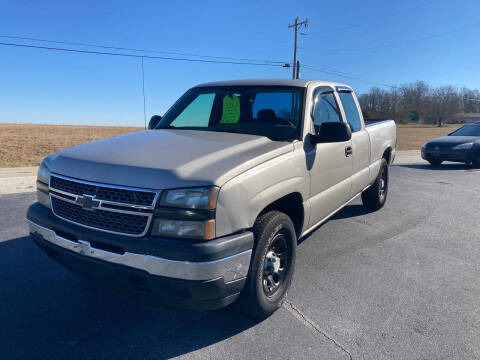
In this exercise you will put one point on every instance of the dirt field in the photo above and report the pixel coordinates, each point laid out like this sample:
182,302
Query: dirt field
26,145
412,136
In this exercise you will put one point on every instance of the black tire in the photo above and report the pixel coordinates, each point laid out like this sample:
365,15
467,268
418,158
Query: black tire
376,195
435,162
476,162
258,299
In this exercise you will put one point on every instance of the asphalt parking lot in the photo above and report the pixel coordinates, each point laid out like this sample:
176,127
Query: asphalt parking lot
401,283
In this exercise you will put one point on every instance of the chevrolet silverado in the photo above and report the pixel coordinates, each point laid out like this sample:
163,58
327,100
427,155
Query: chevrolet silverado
206,206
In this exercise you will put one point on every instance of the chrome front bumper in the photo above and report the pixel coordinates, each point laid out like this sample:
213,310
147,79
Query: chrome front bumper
229,268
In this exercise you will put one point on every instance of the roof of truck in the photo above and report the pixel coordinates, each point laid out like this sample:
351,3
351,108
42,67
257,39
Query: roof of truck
272,82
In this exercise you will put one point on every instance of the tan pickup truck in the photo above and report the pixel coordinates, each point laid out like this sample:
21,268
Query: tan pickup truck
206,206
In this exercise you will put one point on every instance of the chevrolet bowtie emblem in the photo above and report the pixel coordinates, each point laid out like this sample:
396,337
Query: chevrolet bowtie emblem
87,202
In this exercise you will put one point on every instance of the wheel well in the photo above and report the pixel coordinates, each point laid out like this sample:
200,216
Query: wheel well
387,155
291,205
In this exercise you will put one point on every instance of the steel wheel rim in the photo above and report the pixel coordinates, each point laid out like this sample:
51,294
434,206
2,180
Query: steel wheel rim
276,264
382,188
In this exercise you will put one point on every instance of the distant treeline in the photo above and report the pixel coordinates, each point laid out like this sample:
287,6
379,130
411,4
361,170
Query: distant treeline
418,102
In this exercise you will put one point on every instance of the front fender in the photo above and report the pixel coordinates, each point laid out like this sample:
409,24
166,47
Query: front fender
242,199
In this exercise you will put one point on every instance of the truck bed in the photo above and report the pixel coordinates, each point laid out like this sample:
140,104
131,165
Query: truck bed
383,135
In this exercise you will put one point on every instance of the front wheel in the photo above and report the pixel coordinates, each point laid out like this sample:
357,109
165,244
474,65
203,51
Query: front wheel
435,162
272,265
376,195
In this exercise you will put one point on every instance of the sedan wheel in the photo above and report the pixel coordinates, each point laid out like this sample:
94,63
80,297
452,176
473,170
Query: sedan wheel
435,162
476,163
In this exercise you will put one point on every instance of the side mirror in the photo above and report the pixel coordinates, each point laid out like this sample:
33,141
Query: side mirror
330,132
154,120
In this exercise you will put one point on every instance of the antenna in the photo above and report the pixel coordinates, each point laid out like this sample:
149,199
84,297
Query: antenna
143,92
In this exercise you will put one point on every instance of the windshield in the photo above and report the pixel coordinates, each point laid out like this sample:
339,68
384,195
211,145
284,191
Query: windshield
469,130
274,112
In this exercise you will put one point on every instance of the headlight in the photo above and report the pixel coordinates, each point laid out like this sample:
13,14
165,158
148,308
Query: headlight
43,174
465,146
184,228
187,213
43,179
192,198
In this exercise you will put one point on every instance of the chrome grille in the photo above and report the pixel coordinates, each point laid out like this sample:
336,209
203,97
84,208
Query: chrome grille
109,208
101,219
103,192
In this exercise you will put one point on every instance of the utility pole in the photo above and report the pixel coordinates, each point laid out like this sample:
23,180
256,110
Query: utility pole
297,25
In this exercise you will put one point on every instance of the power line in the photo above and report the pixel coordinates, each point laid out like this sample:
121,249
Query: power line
408,42
142,57
347,76
136,56
380,19
135,49
331,72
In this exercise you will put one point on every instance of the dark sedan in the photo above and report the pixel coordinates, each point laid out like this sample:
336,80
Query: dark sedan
462,145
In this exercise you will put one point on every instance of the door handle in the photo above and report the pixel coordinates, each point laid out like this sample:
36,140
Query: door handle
348,151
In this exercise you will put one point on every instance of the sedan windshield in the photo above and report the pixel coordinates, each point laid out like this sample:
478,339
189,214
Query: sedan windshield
274,112
469,130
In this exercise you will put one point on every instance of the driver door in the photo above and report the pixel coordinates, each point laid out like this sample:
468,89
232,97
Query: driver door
330,164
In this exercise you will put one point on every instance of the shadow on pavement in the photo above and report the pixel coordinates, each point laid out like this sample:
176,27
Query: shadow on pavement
47,312
448,166
348,211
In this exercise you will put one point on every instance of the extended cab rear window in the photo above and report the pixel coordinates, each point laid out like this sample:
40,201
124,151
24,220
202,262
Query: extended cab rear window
351,110
274,112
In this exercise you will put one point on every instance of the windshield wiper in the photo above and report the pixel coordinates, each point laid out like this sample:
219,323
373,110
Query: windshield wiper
183,127
231,131
225,130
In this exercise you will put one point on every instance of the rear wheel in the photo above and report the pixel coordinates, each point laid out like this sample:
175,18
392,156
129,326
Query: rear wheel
476,162
375,196
435,162
272,265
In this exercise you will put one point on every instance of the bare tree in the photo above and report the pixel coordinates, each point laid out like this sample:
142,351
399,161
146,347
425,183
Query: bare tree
470,100
412,100
419,102
444,104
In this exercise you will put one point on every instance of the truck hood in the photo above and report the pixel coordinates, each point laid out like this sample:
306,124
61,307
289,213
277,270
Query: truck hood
161,159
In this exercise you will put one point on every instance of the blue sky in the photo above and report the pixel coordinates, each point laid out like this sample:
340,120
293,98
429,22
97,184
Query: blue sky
39,86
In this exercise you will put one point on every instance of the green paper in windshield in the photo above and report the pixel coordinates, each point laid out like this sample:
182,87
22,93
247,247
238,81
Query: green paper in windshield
231,110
